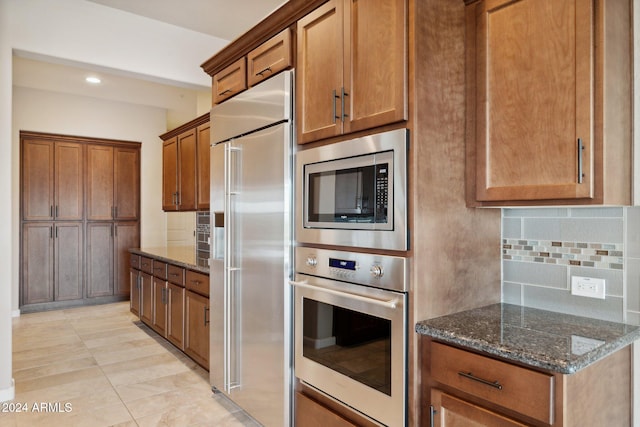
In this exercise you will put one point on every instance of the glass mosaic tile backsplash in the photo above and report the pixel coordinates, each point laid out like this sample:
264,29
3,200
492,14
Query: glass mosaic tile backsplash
203,234
543,247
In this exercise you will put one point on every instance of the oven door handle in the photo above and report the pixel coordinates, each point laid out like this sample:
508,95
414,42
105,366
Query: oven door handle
389,304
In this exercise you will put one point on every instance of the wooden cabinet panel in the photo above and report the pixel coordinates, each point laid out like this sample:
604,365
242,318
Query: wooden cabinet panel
524,390
37,180
375,63
319,71
196,340
134,261
204,167
100,272
68,261
134,300
170,174
100,182
546,123
197,282
37,263
146,298
126,236
126,196
160,269
309,413
230,81
146,264
269,58
175,275
175,322
453,412
187,170
159,316
351,68
69,181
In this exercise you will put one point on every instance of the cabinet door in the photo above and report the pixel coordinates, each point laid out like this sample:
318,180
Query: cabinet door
175,322
170,174
99,259
187,171
375,58
100,183
203,156
230,81
69,261
134,300
160,303
269,58
126,184
37,180
534,100
126,236
37,263
453,412
319,72
196,342
310,413
146,298
69,181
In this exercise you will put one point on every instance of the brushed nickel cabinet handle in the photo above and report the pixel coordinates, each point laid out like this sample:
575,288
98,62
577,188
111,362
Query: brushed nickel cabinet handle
224,92
206,321
469,375
259,73
344,94
335,113
580,165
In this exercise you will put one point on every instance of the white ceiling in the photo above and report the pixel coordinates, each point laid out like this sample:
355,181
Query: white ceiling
226,19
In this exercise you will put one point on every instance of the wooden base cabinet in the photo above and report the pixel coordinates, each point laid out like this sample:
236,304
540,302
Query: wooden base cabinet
175,322
196,342
463,388
146,298
134,299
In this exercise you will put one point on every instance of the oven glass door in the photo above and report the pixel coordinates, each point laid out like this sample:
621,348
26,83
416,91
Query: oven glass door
350,343
353,193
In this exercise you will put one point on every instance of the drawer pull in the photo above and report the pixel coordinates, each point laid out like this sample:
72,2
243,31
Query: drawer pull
260,73
469,375
196,282
174,274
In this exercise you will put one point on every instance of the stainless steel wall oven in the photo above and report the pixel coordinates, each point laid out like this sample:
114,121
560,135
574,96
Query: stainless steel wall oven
350,329
354,193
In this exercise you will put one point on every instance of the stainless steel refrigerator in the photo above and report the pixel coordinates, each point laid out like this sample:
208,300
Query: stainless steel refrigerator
251,215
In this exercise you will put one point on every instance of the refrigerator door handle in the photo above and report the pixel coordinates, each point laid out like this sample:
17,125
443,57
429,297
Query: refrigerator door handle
230,340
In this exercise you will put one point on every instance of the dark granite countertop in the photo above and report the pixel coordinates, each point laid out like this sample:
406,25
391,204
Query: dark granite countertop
553,341
183,256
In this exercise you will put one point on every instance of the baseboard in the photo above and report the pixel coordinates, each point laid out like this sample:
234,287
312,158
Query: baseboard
7,394
15,313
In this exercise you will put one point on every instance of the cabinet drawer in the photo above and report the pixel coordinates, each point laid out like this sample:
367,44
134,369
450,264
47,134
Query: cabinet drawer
175,275
160,269
519,389
198,282
146,264
230,81
134,261
269,58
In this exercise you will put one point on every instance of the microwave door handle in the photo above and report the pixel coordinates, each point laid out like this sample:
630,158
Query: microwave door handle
388,304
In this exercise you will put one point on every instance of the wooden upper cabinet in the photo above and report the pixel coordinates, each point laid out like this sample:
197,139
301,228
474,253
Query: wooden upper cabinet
549,102
203,157
52,176
187,144
230,81
127,183
351,67
185,166
170,174
100,182
269,58
69,181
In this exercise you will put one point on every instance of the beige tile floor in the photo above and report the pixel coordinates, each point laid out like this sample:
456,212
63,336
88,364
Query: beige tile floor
108,369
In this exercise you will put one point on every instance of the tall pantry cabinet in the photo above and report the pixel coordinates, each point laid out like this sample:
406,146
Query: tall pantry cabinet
80,204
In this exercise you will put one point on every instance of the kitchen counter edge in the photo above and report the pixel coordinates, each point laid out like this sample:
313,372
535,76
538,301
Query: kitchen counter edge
176,255
467,330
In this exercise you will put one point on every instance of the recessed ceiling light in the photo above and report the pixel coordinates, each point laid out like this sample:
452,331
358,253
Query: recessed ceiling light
92,79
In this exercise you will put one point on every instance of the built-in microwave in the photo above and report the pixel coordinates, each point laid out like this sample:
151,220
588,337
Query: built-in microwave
354,193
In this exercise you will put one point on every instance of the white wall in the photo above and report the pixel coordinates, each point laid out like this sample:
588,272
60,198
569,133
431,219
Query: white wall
84,32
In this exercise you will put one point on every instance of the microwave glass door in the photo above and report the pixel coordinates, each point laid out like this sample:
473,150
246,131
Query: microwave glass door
353,193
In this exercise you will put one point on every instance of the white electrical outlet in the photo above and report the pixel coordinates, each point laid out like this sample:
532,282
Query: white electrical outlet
588,287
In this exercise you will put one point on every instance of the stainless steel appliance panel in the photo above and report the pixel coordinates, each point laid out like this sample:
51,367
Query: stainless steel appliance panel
390,147
250,346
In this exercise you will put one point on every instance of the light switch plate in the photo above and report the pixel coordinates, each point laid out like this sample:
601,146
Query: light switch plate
588,287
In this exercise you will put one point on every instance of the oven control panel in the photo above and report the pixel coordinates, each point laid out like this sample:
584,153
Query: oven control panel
380,271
